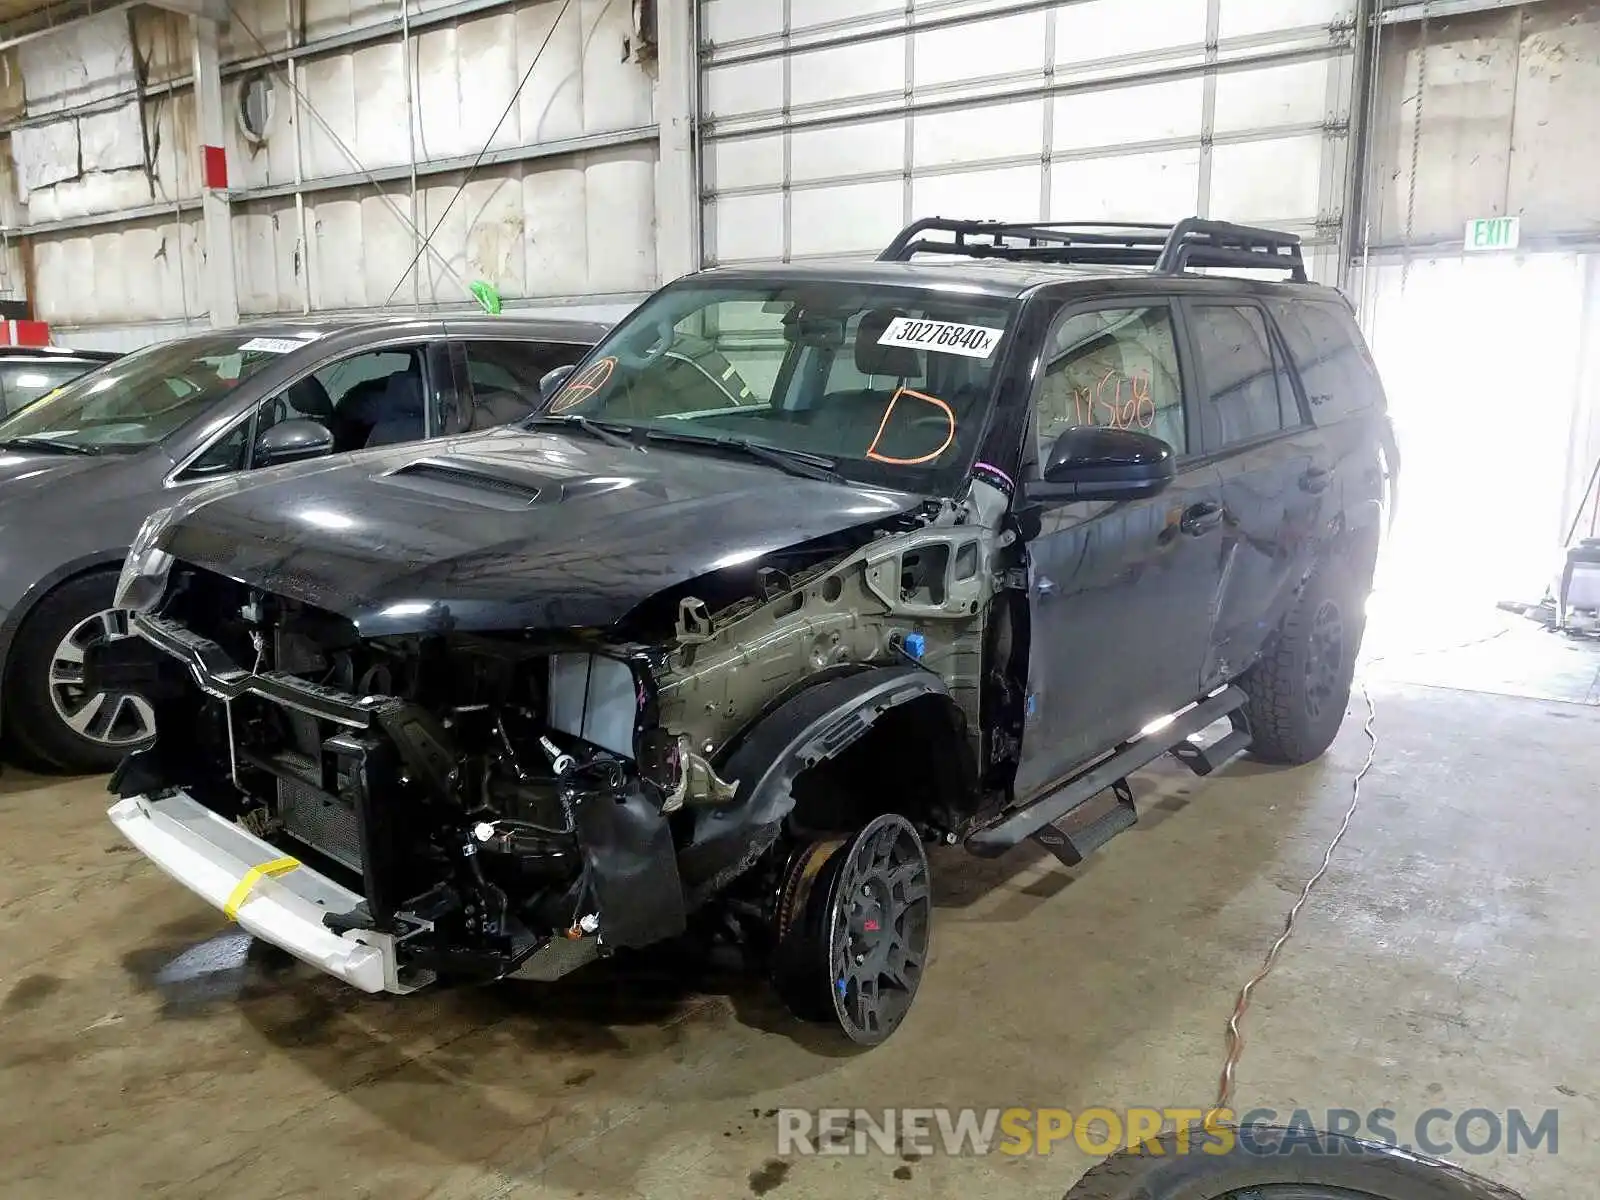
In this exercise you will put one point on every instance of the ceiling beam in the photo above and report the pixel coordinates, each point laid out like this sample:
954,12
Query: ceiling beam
55,17
1435,10
212,10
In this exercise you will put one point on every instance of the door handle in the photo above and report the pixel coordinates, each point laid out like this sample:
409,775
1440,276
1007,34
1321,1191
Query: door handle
1316,479
1200,518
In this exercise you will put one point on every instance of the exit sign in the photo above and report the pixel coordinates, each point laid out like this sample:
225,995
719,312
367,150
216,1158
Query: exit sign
1494,233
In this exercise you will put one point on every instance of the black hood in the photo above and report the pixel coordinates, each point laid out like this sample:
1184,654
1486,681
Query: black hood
508,530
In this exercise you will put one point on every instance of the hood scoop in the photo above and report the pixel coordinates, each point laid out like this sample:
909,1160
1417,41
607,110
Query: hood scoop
458,478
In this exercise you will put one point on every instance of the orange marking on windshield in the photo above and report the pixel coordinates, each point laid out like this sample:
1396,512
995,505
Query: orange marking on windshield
583,386
950,434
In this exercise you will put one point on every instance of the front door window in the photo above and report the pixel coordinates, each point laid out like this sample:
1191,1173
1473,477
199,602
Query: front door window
1114,367
370,399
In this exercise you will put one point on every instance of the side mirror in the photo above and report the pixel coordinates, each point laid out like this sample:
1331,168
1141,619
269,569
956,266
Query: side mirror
292,441
550,383
1088,462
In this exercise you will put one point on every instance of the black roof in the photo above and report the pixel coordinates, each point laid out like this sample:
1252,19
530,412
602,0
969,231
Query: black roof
1001,280
993,279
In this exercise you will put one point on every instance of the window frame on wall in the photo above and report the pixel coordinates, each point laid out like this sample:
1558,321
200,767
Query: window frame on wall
1182,352
1207,435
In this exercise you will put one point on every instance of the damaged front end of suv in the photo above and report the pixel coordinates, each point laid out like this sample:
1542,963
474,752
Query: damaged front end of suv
643,666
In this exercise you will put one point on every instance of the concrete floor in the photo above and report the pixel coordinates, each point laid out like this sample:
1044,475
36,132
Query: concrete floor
1449,959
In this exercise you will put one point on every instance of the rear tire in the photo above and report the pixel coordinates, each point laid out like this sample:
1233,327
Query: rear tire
52,721
1299,689
1278,1164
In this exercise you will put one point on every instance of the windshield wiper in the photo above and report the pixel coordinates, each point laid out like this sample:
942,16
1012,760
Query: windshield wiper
792,462
611,434
46,444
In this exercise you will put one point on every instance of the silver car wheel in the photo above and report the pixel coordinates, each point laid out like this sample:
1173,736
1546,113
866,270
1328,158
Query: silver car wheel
106,718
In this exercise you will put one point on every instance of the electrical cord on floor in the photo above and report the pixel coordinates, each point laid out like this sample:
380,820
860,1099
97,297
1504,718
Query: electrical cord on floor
1235,1035
1242,1005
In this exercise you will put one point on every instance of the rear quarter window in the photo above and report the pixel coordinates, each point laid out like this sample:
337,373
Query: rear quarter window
1336,371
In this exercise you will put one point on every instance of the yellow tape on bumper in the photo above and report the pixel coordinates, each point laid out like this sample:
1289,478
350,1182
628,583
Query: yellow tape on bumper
267,870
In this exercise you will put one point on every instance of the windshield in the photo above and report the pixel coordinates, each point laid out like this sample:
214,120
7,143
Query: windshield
21,383
889,384
138,400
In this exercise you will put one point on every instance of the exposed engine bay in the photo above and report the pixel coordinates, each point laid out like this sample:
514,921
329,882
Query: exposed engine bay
516,803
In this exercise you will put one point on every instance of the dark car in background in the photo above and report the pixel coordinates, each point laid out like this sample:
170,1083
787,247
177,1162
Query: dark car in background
81,468
28,372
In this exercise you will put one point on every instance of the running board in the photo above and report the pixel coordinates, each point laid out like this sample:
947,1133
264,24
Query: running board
991,841
1203,760
1073,840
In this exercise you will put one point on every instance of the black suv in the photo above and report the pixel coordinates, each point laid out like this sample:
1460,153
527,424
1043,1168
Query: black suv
800,570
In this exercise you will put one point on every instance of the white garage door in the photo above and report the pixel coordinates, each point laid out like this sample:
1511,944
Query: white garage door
827,125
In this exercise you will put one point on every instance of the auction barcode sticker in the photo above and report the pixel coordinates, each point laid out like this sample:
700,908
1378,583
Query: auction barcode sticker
947,337
277,345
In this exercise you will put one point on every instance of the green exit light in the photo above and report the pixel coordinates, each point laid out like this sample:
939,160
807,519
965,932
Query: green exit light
1494,233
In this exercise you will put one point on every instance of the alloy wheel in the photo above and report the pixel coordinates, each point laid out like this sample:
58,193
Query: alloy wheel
106,718
880,910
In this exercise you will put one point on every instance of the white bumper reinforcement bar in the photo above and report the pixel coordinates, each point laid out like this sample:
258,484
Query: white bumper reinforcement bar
274,897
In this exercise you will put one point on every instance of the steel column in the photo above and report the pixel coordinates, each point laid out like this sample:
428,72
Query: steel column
676,201
217,283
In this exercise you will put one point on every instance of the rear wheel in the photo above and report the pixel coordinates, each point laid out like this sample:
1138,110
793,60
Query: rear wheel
49,712
853,929
1299,689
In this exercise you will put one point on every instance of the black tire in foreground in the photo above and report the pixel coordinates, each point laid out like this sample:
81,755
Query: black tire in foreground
1273,1163
1301,686
50,717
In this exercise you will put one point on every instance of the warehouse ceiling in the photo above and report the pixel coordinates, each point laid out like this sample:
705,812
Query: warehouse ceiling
21,19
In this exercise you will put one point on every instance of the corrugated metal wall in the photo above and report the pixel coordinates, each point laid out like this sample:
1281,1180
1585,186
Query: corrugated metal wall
826,125
561,209
1499,111
829,124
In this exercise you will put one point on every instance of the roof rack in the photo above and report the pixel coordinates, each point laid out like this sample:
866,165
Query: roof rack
1166,249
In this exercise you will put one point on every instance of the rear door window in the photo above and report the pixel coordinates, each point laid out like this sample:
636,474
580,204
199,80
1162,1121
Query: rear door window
375,398
1336,371
1248,394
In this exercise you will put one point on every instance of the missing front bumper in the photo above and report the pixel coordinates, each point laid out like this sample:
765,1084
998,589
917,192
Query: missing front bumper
243,876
